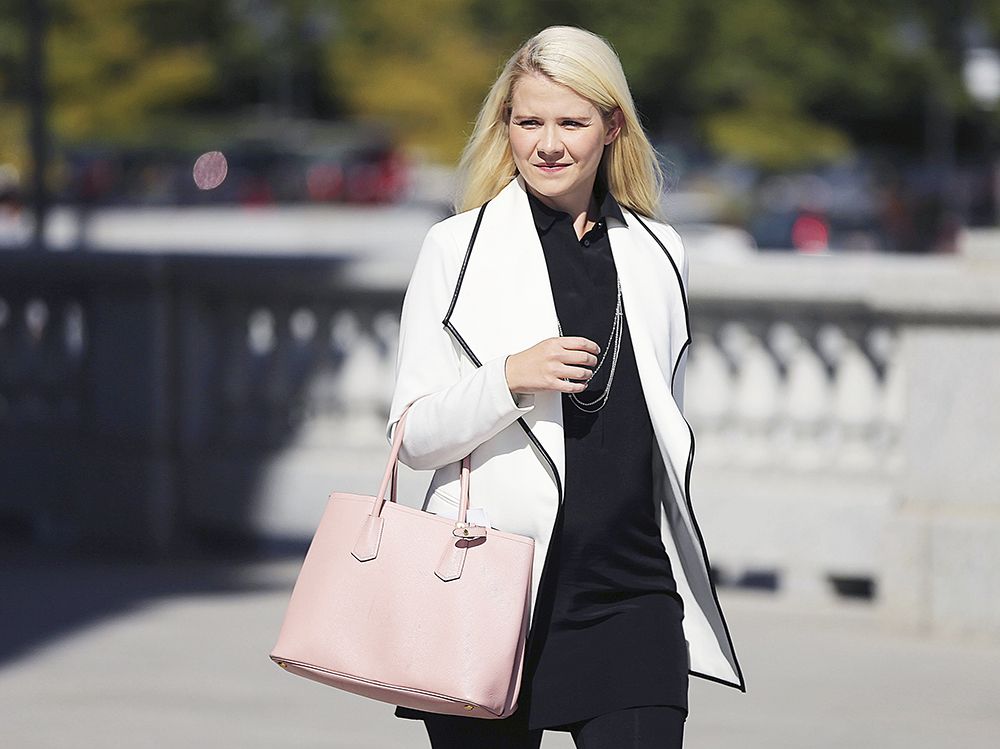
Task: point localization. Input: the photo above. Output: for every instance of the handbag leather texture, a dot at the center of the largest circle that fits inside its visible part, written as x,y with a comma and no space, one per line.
411,608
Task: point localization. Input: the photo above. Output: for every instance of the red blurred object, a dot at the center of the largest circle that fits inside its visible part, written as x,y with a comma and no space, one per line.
810,234
377,175
325,183
255,191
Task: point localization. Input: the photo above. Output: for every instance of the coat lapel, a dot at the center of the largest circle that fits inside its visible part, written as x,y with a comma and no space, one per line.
652,294
503,304
653,297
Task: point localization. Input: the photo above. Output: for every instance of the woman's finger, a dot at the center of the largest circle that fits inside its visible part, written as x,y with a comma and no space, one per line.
578,373
569,386
579,343
580,359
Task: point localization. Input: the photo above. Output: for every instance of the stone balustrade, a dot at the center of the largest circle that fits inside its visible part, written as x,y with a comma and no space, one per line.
143,397
846,408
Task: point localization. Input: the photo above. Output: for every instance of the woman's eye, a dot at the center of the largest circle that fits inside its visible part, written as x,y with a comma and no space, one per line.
572,123
528,123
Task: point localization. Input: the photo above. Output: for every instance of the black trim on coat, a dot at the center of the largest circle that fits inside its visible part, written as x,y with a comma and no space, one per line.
475,359
461,275
690,463
680,283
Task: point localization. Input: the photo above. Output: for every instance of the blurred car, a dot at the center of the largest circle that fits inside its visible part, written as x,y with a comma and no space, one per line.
838,208
358,168
375,173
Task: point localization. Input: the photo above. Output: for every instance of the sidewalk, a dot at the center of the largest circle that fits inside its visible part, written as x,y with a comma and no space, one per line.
105,657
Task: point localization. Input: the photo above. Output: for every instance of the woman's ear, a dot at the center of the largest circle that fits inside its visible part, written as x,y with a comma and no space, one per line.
614,127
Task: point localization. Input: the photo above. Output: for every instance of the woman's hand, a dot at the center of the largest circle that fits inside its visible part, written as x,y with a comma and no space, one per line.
561,364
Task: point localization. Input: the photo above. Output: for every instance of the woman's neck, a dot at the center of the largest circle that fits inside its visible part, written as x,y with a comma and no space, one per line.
583,212
584,220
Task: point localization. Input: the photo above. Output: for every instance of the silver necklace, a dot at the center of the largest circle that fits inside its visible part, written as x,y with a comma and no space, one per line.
614,345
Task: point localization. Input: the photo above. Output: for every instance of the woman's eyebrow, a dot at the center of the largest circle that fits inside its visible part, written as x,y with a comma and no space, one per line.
578,118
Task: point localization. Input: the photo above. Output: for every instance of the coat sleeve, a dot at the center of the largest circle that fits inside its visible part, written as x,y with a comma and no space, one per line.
451,414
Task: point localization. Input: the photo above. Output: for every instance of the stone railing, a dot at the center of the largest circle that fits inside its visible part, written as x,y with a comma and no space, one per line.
847,413
782,389
142,396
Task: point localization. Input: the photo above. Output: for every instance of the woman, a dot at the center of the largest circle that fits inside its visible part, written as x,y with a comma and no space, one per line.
544,332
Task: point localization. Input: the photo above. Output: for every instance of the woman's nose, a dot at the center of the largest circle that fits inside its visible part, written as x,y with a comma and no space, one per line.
550,146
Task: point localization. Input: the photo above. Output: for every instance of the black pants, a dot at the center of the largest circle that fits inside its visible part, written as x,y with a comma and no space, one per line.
655,727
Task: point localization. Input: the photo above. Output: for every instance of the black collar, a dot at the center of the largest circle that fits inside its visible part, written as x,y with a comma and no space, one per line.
545,217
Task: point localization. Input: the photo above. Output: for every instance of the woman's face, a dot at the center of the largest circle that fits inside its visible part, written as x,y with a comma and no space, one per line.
557,138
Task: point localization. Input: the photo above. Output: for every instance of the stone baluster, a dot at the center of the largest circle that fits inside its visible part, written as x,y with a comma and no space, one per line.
756,393
708,394
360,377
806,400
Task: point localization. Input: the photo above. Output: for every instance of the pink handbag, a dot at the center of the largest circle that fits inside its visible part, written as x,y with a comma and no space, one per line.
411,608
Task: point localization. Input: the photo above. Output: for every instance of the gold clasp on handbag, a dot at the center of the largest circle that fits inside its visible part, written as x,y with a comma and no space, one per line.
464,530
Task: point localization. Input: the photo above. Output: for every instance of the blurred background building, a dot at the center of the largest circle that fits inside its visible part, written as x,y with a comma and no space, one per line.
183,370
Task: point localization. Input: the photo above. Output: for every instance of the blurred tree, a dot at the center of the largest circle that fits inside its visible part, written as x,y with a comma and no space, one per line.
765,81
778,83
13,112
112,66
423,65
271,53
777,75
111,73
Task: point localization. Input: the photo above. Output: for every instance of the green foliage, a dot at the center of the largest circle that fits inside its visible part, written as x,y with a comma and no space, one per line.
779,83
110,70
108,78
767,64
421,65
749,75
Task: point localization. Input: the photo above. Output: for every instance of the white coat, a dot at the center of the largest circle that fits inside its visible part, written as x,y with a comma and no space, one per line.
470,305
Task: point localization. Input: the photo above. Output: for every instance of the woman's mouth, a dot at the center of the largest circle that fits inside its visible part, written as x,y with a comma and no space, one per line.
551,168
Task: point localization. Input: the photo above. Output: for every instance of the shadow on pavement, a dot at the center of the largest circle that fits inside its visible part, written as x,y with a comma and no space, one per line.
47,595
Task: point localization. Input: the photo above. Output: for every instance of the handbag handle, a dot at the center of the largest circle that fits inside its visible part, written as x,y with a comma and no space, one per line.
366,547
392,468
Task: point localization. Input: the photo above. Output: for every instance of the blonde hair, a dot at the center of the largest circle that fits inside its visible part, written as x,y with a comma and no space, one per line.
586,64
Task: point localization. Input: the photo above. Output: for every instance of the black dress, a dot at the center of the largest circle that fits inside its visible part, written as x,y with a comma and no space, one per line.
607,631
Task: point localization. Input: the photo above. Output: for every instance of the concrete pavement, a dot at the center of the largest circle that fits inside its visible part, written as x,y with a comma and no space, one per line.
100,656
